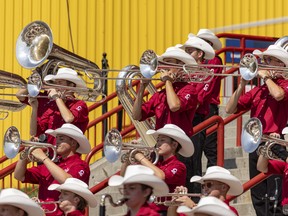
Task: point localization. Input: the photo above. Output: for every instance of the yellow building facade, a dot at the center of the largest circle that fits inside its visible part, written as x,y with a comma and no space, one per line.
124,29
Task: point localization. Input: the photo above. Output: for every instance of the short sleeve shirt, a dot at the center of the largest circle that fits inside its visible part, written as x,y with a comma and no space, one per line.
157,106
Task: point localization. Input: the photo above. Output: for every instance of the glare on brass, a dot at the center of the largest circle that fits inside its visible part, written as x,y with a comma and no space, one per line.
170,198
252,136
113,147
12,143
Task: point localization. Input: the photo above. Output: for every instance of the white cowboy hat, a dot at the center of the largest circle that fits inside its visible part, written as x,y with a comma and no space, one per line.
208,35
78,187
67,74
142,175
75,133
177,53
217,173
208,205
17,198
275,51
198,43
285,130
177,134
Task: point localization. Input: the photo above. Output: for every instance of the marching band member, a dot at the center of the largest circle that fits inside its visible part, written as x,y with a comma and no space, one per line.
212,90
69,142
200,50
53,112
269,103
176,104
139,183
75,197
171,140
207,206
217,182
14,202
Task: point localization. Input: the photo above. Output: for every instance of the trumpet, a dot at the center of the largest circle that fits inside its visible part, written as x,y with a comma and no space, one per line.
113,146
12,143
170,198
252,136
102,209
46,210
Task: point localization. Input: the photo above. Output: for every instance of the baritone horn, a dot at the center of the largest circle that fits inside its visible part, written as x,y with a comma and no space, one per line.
113,147
12,143
252,136
102,209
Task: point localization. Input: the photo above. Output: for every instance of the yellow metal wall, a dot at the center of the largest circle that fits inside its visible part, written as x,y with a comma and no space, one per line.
125,28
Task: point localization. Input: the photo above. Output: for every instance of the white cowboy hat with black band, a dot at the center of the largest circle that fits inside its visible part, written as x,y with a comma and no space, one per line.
14,197
176,133
177,53
142,175
208,205
208,35
66,74
198,43
217,173
75,133
275,51
78,187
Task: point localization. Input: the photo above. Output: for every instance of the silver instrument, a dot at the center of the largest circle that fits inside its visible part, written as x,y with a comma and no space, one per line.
113,147
12,143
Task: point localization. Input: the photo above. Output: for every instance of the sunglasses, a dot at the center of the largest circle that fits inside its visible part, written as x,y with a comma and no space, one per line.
207,185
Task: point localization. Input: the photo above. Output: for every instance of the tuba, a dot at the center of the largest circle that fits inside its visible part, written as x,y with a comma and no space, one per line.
127,94
252,136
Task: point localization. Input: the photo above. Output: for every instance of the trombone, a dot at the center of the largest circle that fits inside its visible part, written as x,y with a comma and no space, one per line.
170,198
12,143
252,136
113,146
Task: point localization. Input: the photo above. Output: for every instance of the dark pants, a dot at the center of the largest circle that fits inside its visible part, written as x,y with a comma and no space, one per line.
263,194
194,163
210,147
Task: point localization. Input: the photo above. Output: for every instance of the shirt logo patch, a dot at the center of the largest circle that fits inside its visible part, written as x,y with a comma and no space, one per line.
206,86
174,171
187,96
79,108
81,172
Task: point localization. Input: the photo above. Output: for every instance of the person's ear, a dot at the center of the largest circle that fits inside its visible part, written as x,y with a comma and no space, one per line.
147,192
76,199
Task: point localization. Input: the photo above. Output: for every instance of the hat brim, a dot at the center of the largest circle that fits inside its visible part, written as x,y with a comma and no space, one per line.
159,187
235,185
84,145
214,40
29,206
78,81
274,51
182,56
86,194
187,146
210,209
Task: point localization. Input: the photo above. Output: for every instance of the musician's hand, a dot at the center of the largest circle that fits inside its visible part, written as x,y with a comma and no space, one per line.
181,190
275,135
52,93
186,201
168,75
144,83
34,139
39,154
263,73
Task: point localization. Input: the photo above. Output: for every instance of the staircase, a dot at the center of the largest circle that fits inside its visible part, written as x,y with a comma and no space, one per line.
236,160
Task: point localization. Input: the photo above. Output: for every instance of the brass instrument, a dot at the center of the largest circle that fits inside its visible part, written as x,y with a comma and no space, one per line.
35,46
252,136
170,198
47,211
113,147
282,42
102,209
12,143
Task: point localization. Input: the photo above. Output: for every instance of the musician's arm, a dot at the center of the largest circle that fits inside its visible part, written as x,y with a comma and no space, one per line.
137,110
262,164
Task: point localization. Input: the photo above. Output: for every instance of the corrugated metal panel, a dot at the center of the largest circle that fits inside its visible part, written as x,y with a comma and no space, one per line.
125,28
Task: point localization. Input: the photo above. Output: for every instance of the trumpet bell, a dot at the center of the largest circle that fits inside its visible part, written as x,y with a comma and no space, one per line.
12,142
249,66
251,135
34,44
112,145
148,63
